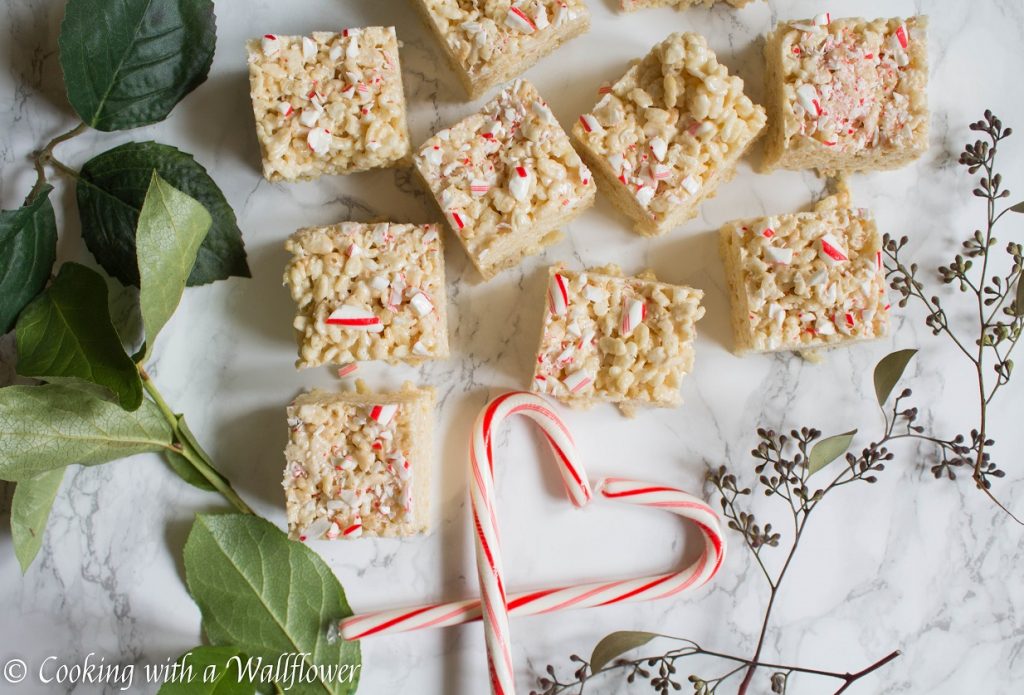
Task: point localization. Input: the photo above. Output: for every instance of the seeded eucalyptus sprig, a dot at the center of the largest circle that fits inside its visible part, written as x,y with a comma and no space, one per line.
791,470
996,298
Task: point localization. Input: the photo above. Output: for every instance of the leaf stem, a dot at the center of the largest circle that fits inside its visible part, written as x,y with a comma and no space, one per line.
195,455
42,157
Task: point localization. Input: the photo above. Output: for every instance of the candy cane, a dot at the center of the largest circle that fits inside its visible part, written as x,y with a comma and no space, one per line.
494,604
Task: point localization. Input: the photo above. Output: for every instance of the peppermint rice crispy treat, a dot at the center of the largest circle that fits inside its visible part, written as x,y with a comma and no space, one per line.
607,337
491,41
368,292
630,5
847,95
506,178
328,103
664,136
807,280
358,464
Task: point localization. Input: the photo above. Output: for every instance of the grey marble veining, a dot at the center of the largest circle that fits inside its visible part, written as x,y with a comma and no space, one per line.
910,563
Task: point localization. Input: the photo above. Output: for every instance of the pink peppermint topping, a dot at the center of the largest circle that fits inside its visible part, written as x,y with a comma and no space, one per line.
849,319
660,172
807,96
558,295
767,232
823,19
348,92
271,45
691,185
285,109
479,187
577,381
400,466
540,20
433,155
590,123
633,312
457,219
353,531
309,48
379,283
540,383
565,357
831,251
355,318
348,369
310,116
659,148
644,195
319,140
430,236
878,259
384,414
519,183
421,303
353,250
492,130
779,256
520,21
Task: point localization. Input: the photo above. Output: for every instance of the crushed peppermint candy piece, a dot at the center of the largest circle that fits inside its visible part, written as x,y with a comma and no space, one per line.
767,232
577,381
519,20
400,465
633,313
354,531
316,530
348,369
420,349
807,97
540,19
831,250
660,172
319,140
492,131
644,195
309,48
434,156
479,187
355,318
421,303
333,532
659,148
353,250
779,256
819,277
691,185
595,294
541,110
384,414
519,183
558,295
335,53
309,117
285,109
823,19
901,36
270,44
565,357
379,283
457,219
590,124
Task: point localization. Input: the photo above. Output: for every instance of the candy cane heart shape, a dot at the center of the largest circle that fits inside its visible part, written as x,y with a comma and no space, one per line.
494,606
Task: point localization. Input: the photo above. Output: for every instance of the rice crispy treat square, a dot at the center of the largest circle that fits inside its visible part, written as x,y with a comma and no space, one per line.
630,5
608,337
359,463
806,280
328,103
506,178
368,292
847,95
668,133
488,43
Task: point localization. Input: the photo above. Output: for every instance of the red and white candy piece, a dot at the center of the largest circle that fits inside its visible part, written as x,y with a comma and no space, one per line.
577,381
778,254
285,109
270,44
633,313
520,21
831,250
659,148
519,183
479,187
355,318
558,295
309,48
348,369
691,185
319,140
807,97
456,216
384,414
590,124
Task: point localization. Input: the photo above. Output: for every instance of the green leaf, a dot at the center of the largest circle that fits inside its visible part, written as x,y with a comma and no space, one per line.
269,596
186,471
827,450
1019,207
28,249
209,671
888,372
127,63
172,226
54,425
111,191
617,644
30,509
67,332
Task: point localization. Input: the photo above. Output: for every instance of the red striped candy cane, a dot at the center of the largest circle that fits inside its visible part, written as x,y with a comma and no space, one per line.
495,606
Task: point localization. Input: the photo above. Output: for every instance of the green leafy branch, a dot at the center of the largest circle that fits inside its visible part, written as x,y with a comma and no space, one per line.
785,469
998,301
153,218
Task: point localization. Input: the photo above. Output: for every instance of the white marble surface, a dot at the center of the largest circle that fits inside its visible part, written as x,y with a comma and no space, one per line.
924,566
